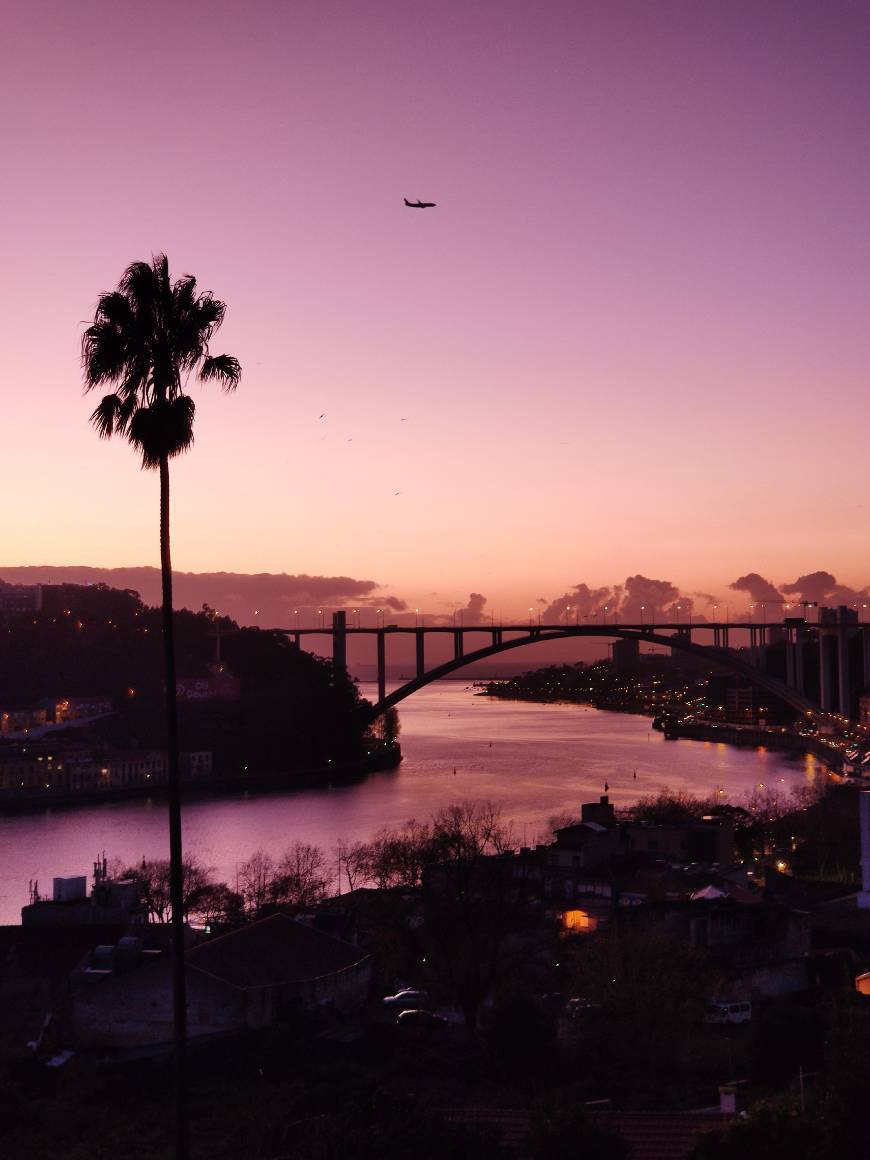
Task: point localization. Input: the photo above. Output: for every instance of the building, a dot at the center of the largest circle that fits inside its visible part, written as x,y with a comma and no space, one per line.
20,599
35,963
597,839
52,771
14,722
113,901
262,973
626,656
65,709
220,686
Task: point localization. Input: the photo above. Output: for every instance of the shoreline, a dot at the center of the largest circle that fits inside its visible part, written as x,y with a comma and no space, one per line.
323,777
741,737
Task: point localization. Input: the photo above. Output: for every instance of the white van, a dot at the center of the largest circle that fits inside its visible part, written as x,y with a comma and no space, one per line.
729,1013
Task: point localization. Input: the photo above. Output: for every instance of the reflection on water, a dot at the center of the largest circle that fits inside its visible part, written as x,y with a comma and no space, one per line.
534,760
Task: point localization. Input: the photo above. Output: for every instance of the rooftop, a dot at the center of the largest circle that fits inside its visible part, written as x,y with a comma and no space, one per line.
274,951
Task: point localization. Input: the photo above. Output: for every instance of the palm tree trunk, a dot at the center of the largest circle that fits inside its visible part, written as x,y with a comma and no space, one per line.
176,869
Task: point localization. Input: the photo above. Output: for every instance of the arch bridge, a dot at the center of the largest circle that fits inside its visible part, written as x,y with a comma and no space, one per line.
833,636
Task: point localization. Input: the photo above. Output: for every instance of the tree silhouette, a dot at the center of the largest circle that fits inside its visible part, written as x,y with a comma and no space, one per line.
147,338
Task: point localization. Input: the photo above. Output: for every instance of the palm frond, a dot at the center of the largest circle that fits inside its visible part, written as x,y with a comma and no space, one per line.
114,308
125,413
106,415
162,429
184,295
145,337
139,285
103,354
223,367
209,312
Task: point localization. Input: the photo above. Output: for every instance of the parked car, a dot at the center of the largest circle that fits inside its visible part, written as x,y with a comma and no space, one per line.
729,1013
409,997
417,1017
577,1007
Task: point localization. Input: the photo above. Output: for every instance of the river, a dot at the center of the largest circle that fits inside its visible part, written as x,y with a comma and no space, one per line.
533,760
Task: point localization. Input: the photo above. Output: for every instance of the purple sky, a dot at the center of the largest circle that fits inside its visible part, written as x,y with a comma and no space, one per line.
634,336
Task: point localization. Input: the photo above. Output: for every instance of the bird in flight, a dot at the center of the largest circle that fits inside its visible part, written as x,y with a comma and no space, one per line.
420,204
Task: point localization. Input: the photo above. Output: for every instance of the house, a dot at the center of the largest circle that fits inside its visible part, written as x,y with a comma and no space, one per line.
112,901
760,949
598,838
250,978
34,966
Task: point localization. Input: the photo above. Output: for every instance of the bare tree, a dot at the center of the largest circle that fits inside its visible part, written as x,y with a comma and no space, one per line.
302,877
397,857
464,831
153,878
219,906
256,879
353,862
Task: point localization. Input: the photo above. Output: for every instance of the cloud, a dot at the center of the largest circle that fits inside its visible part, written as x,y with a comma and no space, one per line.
757,588
639,597
274,596
579,602
822,588
708,599
392,602
659,598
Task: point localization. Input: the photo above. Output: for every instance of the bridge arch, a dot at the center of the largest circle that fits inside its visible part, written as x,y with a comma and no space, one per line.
723,657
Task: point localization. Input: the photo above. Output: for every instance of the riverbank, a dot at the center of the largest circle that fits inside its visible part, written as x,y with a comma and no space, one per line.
756,737
533,761
325,777
744,736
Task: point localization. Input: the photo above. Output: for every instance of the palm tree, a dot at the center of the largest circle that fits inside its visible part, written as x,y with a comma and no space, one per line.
147,338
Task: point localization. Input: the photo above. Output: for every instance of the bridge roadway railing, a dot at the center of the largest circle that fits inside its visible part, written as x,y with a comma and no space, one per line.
672,634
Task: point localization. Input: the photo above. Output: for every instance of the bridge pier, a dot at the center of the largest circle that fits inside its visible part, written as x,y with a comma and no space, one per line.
382,665
826,690
845,689
457,644
421,661
756,645
339,643
865,653
790,674
794,657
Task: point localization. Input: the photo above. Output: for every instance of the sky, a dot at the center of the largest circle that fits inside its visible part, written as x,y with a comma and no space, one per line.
631,339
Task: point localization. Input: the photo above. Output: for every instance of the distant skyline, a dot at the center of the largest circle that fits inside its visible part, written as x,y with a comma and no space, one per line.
630,339
287,601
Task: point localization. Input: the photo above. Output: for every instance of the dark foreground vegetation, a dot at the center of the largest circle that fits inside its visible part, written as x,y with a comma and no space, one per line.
290,712
540,1025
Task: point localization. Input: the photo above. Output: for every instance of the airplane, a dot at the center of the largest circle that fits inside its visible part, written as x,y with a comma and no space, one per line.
420,204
